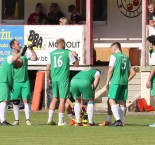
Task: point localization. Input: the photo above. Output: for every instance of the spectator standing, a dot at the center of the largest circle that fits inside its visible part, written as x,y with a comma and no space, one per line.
75,17
151,17
54,15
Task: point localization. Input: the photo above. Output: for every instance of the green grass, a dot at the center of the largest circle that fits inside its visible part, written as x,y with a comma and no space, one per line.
135,132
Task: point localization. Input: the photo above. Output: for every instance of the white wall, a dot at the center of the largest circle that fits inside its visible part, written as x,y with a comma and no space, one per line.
31,4
119,26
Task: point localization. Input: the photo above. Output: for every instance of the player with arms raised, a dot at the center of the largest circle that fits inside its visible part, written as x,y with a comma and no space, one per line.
21,87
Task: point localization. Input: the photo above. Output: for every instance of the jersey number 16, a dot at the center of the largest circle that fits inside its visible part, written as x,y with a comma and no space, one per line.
58,61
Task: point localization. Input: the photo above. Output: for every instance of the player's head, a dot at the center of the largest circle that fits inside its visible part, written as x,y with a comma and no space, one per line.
153,43
149,41
151,7
15,45
115,47
60,43
150,38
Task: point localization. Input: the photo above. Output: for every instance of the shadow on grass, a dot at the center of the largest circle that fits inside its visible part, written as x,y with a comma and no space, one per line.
128,124
45,125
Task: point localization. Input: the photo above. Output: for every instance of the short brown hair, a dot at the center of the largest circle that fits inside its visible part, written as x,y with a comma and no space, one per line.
12,43
117,45
151,3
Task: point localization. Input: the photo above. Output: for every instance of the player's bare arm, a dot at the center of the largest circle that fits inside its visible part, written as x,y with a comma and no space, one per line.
110,71
96,82
132,73
48,73
76,63
34,55
17,56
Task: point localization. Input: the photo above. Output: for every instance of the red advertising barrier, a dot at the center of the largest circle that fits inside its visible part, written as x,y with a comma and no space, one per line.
39,82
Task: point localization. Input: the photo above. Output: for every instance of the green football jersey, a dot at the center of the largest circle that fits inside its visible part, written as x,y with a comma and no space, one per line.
152,57
60,65
88,75
121,69
6,73
21,74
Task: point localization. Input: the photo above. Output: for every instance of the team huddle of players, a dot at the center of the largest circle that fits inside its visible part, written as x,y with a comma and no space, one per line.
81,88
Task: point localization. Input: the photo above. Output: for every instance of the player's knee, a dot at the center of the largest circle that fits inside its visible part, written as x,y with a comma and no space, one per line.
16,102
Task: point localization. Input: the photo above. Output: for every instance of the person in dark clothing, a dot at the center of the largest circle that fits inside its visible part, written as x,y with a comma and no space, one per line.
54,15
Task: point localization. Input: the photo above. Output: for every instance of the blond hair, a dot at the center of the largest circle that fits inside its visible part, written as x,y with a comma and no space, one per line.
63,21
60,40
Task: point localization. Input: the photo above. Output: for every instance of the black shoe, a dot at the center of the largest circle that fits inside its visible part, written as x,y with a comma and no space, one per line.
5,123
117,123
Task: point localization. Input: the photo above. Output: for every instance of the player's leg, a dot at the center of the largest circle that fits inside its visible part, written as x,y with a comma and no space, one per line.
51,111
4,94
61,112
90,112
74,89
63,93
152,95
122,101
109,117
122,110
15,97
69,111
88,94
16,111
113,96
26,100
77,110
53,103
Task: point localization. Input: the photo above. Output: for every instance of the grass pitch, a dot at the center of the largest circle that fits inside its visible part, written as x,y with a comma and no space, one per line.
135,132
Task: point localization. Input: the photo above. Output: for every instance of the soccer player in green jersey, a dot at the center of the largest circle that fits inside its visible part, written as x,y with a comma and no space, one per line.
151,79
84,84
21,87
58,73
6,83
119,73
